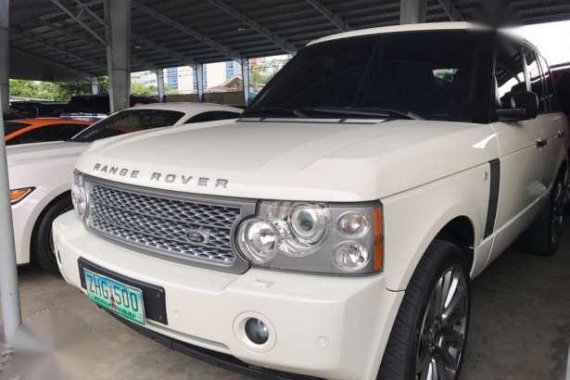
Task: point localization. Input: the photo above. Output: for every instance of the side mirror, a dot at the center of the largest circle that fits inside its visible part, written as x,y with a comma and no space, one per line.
518,105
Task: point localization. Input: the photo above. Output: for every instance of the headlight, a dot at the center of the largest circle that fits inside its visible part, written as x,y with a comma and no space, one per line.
314,237
79,195
258,239
18,195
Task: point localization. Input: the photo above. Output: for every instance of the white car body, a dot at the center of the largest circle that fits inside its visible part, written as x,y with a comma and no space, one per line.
48,168
324,326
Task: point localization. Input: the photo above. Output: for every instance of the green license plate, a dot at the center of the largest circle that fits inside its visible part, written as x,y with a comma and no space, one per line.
115,296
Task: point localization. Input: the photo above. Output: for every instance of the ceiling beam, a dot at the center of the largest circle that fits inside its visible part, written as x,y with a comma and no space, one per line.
39,40
140,40
51,15
72,33
75,18
181,58
450,10
225,50
260,29
333,18
46,62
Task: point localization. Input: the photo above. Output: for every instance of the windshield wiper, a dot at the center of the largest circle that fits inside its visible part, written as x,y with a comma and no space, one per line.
371,112
272,110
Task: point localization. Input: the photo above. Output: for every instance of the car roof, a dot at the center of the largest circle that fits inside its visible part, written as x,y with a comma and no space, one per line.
428,26
187,107
49,120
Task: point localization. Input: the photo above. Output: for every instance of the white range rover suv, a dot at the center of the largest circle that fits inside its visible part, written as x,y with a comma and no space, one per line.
332,231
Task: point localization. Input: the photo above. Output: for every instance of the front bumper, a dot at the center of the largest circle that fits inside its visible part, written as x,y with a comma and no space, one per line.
322,326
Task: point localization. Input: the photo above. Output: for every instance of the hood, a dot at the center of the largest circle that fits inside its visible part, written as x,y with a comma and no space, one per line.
293,160
25,153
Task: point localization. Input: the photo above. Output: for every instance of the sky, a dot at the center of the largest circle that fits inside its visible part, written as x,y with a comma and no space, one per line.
552,39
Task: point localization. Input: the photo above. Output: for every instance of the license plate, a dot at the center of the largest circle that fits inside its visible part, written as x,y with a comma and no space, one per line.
115,296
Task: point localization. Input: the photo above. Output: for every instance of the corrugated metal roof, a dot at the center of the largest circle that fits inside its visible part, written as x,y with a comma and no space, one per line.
179,32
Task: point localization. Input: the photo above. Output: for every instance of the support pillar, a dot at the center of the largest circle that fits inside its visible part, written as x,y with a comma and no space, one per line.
9,295
245,80
160,85
95,86
4,57
118,20
199,78
412,11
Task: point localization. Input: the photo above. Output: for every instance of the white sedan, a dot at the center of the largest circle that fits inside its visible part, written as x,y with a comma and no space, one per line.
41,174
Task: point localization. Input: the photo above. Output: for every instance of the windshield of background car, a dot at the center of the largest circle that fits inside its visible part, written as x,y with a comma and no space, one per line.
13,126
128,121
439,75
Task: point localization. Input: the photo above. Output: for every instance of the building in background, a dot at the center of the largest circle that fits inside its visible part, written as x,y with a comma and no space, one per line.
233,69
171,78
219,76
148,78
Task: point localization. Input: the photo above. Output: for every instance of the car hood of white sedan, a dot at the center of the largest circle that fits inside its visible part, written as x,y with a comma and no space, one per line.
18,154
300,160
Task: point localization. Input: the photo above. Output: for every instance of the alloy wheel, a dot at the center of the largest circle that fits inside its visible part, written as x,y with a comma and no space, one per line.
444,327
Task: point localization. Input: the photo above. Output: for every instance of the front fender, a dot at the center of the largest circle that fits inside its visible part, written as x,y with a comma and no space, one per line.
50,179
414,218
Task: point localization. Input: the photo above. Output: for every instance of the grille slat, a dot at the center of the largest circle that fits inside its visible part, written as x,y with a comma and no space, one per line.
162,224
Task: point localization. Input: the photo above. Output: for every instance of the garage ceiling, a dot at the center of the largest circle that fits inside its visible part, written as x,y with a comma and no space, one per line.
170,33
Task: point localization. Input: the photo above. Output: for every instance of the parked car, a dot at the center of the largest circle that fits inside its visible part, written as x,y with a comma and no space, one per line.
32,109
40,174
25,131
333,230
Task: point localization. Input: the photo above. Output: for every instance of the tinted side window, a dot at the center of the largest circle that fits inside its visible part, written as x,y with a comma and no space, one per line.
57,132
536,79
509,72
64,131
212,116
131,120
33,136
548,83
12,126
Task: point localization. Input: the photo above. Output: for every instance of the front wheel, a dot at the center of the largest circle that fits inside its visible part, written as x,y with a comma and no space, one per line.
429,335
43,251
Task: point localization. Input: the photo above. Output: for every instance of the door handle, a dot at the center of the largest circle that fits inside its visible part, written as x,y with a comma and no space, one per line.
541,143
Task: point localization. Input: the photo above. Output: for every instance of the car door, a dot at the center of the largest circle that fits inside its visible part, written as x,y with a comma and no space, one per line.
552,121
522,158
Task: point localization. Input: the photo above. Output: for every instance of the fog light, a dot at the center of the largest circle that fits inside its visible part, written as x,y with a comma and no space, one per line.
256,331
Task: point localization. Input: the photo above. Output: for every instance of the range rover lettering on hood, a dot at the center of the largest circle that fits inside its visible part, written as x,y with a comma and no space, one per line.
184,179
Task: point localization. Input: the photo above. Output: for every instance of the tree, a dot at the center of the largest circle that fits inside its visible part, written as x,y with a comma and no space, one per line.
47,90
141,89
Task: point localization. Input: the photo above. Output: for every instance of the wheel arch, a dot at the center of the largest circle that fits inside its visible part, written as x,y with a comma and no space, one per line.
42,211
461,232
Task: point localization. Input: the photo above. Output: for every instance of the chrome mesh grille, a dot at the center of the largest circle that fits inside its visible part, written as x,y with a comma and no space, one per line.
162,225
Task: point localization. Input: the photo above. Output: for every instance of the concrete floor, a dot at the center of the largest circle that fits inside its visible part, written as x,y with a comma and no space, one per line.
520,326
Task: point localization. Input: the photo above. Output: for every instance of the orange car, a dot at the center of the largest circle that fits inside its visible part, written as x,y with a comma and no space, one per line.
23,131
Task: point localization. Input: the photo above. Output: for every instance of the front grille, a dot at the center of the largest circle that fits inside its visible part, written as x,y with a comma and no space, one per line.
164,224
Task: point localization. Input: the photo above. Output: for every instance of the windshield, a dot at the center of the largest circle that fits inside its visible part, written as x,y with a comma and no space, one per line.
432,75
128,121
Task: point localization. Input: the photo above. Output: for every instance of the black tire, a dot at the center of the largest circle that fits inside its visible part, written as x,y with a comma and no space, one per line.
400,361
42,244
543,236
